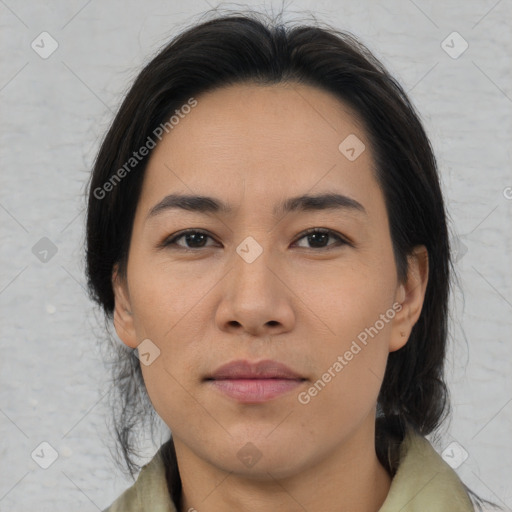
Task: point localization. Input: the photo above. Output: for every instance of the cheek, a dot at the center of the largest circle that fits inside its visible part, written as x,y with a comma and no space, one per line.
164,296
350,370
347,298
353,315
166,309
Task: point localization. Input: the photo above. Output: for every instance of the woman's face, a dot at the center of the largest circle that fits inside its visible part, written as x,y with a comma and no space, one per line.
252,285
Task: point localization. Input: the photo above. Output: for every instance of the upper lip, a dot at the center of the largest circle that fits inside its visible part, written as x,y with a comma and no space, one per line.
243,369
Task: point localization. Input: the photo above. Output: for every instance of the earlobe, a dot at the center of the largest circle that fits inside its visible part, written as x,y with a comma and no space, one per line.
123,316
410,295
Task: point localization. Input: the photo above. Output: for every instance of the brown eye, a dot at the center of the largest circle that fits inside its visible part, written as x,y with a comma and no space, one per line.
194,239
319,238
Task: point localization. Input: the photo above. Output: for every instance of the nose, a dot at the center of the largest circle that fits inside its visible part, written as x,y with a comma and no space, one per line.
256,299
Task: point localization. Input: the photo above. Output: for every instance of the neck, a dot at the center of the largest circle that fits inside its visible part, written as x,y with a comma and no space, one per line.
351,479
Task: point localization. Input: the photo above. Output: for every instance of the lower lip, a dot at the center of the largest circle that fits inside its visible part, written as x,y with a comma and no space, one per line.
255,390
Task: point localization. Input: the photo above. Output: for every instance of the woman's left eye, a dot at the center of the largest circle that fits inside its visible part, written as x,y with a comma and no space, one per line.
318,236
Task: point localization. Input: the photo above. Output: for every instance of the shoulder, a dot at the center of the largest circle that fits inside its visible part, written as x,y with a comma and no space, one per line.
424,481
148,493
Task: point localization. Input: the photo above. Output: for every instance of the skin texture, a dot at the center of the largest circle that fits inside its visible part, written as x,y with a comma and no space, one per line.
298,303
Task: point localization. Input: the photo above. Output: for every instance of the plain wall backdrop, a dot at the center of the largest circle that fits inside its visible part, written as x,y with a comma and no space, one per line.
65,67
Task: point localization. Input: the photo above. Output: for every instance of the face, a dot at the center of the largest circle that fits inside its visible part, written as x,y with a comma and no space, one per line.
312,286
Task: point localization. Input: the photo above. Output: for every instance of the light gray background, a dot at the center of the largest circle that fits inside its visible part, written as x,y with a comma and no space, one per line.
54,112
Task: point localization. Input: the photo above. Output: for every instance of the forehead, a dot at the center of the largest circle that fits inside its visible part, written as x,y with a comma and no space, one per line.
264,141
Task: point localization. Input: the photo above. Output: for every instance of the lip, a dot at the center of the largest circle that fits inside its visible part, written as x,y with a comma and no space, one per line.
243,369
254,382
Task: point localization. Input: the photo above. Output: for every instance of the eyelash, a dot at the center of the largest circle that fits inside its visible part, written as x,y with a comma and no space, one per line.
341,240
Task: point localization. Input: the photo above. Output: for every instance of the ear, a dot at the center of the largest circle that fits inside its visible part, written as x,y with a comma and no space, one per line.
410,295
123,317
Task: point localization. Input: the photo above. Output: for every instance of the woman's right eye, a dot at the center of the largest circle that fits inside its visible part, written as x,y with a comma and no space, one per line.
192,237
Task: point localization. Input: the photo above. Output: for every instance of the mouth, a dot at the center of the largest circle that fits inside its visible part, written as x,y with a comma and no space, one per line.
259,382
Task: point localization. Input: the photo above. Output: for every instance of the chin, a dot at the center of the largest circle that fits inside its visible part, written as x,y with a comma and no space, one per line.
262,460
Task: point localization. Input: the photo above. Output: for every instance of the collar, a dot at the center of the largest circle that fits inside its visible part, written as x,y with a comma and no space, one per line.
423,482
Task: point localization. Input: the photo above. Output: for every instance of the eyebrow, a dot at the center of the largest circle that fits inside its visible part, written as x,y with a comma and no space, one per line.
207,205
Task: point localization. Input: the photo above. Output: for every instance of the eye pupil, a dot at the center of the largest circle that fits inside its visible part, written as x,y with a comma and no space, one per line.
312,235
190,237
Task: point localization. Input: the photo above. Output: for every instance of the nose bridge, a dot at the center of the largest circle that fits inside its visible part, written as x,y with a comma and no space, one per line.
257,254
252,265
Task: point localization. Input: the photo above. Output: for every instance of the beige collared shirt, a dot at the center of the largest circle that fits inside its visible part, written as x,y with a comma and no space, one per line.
424,482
